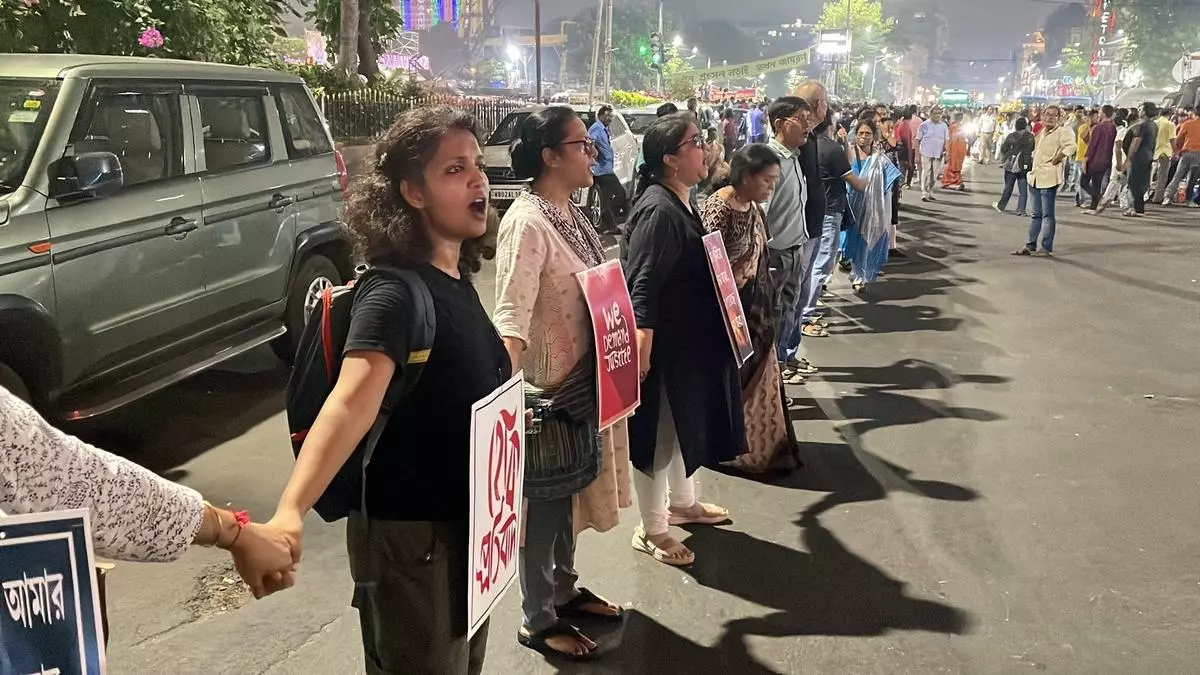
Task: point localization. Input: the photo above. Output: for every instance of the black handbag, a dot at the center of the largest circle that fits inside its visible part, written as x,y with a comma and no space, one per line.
563,450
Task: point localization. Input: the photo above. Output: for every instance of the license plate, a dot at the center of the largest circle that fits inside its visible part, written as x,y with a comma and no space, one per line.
504,194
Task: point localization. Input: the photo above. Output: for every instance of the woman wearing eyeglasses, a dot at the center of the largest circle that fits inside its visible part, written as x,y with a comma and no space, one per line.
545,240
691,413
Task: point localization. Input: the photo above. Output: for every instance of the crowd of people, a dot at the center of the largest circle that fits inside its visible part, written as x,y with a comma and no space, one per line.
813,189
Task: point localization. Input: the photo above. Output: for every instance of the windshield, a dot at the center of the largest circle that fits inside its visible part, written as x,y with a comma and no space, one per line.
639,122
24,107
503,135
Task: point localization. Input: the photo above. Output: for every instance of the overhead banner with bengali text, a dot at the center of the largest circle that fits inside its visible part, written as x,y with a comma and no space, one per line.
752,69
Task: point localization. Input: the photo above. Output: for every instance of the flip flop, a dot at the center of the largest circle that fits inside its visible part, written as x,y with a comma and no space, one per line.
575,608
720,515
641,542
537,641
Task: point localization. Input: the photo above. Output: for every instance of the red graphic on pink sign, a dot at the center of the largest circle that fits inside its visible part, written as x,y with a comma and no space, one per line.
497,477
615,332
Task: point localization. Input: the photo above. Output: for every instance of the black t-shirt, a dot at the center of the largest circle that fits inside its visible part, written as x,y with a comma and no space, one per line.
420,468
1148,130
814,209
834,165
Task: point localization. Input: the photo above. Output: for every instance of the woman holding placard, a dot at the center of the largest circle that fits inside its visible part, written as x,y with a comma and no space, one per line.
734,211
691,412
544,241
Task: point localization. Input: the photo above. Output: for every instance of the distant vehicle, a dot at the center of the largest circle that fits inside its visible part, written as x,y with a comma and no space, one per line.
157,217
1030,101
1132,98
505,187
1071,102
957,98
639,119
1187,97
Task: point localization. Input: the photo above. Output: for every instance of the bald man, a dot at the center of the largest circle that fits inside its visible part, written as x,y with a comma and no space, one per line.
814,93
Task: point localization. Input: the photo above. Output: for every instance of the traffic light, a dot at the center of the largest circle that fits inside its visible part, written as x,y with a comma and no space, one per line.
657,54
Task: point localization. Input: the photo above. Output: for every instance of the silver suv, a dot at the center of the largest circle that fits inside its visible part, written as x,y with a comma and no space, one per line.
156,217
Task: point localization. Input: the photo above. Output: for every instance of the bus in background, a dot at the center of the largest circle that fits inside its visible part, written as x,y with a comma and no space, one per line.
1038,102
957,98
1072,102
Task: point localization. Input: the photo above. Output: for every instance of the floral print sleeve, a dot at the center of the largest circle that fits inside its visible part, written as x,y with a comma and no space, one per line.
135,514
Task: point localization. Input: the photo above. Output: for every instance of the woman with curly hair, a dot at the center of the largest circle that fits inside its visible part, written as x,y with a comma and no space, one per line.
420,207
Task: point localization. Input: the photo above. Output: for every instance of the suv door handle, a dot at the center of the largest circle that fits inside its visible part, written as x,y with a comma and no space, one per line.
180,225
279,201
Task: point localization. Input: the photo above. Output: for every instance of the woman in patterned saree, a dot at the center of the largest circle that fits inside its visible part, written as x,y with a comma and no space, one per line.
734,211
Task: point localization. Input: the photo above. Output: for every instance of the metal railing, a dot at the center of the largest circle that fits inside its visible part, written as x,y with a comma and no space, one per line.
363,115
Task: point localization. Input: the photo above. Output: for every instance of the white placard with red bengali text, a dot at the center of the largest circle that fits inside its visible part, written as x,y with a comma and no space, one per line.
497,479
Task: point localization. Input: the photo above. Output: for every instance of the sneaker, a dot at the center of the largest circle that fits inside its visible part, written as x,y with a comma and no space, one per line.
1089,212
791,376
996,207
1021,214
1166,202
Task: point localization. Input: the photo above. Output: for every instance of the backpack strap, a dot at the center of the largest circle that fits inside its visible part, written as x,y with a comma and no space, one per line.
420,344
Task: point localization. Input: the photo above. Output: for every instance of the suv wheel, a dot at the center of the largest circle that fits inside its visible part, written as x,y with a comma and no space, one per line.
593,210
316,274
10,380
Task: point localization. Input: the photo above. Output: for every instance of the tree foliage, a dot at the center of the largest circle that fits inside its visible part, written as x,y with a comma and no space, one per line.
226,31
1159,33
378,25
869,31
633,23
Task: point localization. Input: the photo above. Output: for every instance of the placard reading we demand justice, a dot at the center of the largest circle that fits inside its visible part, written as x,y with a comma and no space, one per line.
497,483
50,624
614,330
731,302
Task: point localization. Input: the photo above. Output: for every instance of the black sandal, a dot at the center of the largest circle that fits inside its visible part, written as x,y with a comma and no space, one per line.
537,641
574,609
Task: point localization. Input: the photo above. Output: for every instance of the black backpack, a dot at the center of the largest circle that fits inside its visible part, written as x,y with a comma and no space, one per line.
318,363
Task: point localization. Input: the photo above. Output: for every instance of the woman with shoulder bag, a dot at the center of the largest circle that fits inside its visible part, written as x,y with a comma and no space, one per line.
1016,155
574,477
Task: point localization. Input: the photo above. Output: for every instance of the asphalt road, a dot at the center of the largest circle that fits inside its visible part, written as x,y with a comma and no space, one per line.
1000,477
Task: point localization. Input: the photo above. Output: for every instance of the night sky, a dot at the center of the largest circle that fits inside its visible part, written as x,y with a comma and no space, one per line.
978,28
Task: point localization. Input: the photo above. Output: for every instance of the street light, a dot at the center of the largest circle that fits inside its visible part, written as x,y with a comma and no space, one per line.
514,53
678,41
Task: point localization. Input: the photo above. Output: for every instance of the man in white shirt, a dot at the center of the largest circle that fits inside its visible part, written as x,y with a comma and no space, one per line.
987,131
932,137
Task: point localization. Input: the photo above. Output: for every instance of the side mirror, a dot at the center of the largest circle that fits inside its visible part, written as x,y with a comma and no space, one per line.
88,175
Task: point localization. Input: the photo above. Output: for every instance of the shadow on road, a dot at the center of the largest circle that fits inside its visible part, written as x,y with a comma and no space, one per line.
170,428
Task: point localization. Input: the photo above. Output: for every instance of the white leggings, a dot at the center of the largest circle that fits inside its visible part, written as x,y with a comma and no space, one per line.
669,473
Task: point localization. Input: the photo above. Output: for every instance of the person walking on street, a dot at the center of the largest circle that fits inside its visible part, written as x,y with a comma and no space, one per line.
540,313
956,155
791,246
914,123
1142,140
1098,161
1164,151
932,138
690,416
1188,142
729,130
987,130
1054,144
1083,132
1016,155
613,204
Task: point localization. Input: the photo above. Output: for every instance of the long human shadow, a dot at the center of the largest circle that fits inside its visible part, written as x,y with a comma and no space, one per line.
906,374
828,590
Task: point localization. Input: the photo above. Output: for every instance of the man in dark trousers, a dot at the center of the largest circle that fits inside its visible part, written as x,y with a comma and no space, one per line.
1142,138
613,200
1098,161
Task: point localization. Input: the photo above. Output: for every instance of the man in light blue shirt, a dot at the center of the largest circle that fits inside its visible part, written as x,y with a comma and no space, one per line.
612,195
932,137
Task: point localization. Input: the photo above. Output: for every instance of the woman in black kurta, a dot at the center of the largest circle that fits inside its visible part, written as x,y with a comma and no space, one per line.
691,412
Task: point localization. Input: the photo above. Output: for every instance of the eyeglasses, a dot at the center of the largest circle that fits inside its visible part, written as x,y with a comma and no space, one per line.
697,140
587,145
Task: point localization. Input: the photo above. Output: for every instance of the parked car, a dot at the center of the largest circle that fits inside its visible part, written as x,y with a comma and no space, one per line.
505,187
157,217
639,119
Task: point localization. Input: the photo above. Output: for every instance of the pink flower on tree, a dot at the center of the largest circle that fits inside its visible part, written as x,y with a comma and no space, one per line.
151,38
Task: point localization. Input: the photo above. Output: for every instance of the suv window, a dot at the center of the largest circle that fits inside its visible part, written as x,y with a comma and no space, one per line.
235,130
142,129
302,126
